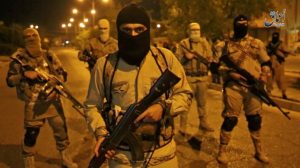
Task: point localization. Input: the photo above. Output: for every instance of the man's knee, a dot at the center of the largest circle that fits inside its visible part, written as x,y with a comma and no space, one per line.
31,136
254,122
229,123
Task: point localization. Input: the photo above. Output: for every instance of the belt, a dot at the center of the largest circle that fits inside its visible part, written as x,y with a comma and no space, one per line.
196,74
125,147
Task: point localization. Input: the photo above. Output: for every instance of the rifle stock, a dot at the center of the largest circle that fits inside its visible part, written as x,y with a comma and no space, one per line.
166,81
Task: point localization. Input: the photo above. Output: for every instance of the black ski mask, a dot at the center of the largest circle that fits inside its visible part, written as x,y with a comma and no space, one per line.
133,49
240,26
275,37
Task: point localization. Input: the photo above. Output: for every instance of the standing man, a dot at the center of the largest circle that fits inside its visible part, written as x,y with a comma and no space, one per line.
39,105
188,52
100,46
278,52
124,78
249,54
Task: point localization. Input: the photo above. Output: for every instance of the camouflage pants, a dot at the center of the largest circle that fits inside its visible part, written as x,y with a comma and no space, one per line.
57,123
200,95
162,157
277,76
238,98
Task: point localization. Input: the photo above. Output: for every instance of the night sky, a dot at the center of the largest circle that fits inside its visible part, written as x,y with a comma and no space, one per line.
48,14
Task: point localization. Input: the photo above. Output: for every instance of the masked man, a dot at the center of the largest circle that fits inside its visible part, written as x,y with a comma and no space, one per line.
100,46
125,78
188,52
39,105
249,54
278,52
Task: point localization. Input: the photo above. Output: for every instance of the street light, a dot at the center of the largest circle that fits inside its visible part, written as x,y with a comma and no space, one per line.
71,20
63,26
158,25
81,25
85,20
75,11
93,12
105,1
69,24
34,26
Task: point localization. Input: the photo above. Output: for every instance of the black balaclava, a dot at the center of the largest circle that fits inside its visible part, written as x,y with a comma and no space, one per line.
240,30
133,49
275,37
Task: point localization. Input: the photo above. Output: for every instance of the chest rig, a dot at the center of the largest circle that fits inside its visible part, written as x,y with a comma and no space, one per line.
35,89
147,136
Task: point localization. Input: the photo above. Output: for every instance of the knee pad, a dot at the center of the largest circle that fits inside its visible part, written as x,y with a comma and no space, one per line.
254,122
229,123
31,136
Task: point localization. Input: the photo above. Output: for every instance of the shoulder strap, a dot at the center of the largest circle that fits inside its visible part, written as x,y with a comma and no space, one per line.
156,57
191,45
114,64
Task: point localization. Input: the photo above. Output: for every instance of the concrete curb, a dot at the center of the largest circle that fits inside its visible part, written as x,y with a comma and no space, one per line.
286,104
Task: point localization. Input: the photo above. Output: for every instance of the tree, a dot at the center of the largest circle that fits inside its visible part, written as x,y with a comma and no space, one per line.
214,16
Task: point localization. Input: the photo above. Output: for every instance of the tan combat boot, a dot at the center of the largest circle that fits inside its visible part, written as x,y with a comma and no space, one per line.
29,162
66,160
224,140
204,125
259,153
222,156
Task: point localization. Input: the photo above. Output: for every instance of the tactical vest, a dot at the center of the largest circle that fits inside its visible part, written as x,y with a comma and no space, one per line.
149,135
32,90
194,67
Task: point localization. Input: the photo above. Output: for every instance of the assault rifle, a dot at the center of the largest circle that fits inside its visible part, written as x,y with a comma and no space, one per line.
198,56
256,86
91,60
123,129
57,85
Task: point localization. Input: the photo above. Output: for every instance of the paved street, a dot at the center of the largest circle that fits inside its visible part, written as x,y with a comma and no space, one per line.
281,137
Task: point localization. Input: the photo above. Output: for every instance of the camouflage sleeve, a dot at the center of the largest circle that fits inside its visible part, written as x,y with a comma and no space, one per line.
180,53
181,97
264,59
95,98
262,52
15,73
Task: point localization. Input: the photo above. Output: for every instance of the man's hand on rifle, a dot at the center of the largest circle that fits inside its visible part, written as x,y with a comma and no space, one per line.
263,78
109,154
266,73
189,55
237,76
31,74
152,114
